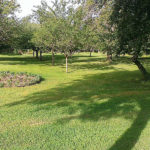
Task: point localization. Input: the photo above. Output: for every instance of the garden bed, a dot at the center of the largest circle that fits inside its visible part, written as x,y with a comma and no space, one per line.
20,79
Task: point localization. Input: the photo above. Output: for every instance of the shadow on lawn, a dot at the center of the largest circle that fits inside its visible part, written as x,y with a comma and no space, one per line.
59,59
74,63
25,60
46,60
122,91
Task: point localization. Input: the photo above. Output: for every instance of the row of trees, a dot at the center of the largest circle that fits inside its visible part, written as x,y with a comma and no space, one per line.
69,28
112,26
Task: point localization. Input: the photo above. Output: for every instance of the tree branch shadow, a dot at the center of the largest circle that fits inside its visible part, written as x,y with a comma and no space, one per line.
100,96
128,140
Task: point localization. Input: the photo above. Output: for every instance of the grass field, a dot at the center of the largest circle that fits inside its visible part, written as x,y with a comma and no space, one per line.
96,106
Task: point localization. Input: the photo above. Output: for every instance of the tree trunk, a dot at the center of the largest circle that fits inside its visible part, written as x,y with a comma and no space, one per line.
90,53
53,57
37,54
40,55
109,56
66,64
141,67
33,53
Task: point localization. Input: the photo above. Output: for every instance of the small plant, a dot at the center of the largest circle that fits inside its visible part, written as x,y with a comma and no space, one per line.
20,79
1,84
9,82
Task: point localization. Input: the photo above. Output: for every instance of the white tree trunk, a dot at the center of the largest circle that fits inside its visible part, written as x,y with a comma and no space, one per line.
66,64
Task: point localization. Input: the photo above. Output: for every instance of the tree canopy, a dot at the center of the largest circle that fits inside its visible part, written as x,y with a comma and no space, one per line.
114,27
132,21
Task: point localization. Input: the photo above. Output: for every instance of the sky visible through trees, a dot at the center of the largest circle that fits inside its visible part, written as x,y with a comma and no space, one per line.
112,27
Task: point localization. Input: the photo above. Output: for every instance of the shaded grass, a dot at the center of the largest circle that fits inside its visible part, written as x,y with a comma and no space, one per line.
96,106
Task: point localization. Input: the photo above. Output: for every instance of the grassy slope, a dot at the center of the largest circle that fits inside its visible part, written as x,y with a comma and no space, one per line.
96,106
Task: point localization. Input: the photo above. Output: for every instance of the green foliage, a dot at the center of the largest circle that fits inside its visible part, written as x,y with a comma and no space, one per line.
38,37
59,27
114,27
132,20
1,85
25,35
8,23
106,32
14,33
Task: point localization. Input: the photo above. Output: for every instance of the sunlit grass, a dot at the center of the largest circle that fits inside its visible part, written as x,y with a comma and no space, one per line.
96,106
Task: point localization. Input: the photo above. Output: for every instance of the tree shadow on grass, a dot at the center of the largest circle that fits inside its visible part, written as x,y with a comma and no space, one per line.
100,96
94,66
131,135
59,60
75,63
25,60
95,63
46,59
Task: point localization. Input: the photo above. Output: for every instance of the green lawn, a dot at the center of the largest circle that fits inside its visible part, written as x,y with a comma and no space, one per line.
96,106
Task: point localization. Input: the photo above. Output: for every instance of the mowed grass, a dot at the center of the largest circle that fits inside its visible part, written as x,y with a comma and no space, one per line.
96,106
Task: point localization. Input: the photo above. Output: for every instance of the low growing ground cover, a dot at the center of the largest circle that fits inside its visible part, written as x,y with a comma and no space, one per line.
96,106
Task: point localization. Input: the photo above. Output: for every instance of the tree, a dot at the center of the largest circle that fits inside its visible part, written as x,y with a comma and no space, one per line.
8,23
69,42
38,39
49,28
106,32
90,38
69,37
59,28
132,21
26,33
53,29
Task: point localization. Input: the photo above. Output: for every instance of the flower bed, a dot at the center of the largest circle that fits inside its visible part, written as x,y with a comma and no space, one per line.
20,79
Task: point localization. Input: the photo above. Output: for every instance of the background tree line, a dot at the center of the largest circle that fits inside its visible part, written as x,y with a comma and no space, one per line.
114,27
